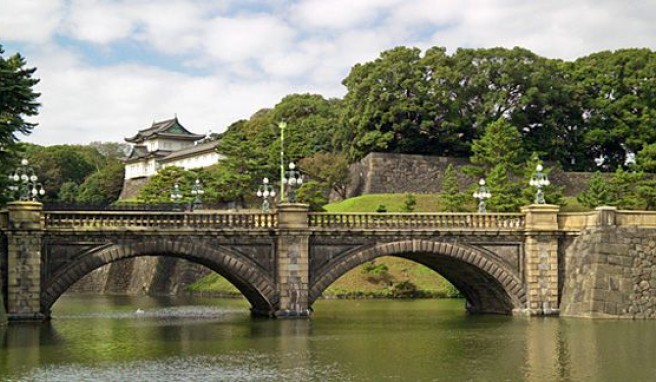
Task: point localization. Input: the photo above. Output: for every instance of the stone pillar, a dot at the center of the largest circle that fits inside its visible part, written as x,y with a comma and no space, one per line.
24,237
292,260
541,259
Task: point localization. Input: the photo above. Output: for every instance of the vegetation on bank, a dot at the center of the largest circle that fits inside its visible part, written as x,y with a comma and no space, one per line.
386,277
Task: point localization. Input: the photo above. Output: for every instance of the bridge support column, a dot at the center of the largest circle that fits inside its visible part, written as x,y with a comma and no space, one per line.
292,260
24,261
541,259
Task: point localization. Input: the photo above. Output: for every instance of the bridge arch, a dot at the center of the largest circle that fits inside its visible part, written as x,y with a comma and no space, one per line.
254,282
489,285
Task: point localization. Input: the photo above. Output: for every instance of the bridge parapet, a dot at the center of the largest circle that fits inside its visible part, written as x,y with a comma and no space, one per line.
87,220
474,221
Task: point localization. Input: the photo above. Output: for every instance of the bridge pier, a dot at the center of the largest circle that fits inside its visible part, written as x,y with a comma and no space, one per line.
24,239
541,259
292,261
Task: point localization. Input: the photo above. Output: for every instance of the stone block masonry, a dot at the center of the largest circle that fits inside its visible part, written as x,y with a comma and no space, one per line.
388,173
611,272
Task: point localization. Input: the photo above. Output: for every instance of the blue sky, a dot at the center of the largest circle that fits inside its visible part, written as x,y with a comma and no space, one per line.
109,68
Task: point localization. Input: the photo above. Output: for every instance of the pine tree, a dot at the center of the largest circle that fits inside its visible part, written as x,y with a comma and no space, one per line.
451,198
597,193
506,194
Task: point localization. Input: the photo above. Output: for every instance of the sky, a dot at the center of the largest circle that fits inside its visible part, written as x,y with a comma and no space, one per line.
110,68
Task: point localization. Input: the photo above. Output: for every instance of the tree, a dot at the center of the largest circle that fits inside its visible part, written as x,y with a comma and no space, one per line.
385,105
58,164
313,193
506,194
500,144
451,198
159,186
619,102
18,102
103,186
597,193
330,169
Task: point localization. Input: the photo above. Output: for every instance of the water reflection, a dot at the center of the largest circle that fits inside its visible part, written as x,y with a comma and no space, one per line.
106,339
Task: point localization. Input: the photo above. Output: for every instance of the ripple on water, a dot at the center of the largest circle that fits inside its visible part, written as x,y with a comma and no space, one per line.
245,366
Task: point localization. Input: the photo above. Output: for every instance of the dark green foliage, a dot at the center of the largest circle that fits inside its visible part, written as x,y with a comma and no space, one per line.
506,193
329,169
313,194
451,198
18,102
409,203
59,164
159,187
381,208
597,193
103,186
404,289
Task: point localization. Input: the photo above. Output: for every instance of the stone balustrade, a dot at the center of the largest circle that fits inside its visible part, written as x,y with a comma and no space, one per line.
81,220
417,220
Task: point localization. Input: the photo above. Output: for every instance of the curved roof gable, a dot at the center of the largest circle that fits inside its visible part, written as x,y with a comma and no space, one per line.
171,128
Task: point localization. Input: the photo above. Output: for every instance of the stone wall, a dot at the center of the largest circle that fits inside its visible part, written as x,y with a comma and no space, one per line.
141,275
131,187
381,173
611,272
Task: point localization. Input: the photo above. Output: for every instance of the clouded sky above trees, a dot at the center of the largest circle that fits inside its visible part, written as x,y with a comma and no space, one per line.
108,68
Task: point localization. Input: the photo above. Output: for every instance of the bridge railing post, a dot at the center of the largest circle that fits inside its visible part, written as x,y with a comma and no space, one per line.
292,260
541,259
24,237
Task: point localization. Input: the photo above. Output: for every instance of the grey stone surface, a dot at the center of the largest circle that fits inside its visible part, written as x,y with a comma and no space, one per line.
405,173
609,272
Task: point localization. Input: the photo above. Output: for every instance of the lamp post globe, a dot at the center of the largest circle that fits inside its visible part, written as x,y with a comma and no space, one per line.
25,183
539,180
293,178
482,194
266,191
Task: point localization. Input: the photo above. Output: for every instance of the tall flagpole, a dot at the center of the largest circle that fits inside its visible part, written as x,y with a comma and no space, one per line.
282,125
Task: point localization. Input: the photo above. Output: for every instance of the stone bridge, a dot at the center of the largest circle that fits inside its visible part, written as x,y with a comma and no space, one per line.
537,262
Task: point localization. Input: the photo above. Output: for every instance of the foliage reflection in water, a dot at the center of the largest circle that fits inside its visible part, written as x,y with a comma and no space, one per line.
118,339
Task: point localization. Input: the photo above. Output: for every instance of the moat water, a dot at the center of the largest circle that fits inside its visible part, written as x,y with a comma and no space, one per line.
95,338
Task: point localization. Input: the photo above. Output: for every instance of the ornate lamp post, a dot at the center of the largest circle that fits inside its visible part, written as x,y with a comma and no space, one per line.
197,191
26,182
293,178
176,195
481,194
265,192
539,180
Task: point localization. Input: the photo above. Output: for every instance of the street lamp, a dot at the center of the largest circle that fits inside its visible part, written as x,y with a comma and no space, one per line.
293,178
265,192
539,180
176,195
26,182
197,191
481,194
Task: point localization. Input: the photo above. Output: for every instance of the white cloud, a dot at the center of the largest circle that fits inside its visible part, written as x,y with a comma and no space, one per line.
82,103
339,14
33,21
99,22
242,55
235,39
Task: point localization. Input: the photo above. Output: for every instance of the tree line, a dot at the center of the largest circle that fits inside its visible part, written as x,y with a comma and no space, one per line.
502,108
